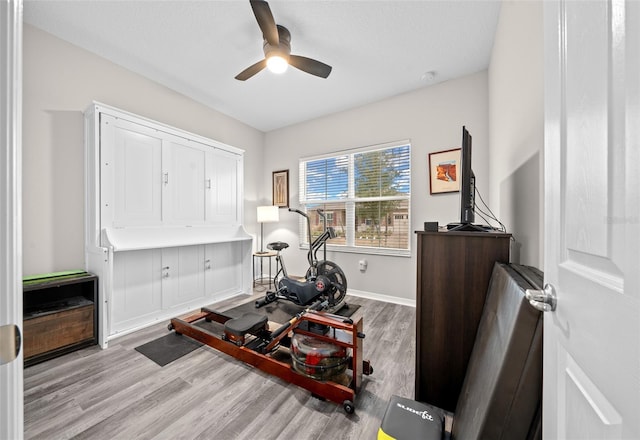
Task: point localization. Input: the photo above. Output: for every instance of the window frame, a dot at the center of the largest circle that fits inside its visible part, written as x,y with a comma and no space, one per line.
351,200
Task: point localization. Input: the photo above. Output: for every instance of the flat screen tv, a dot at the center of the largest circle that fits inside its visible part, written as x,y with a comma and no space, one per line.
467,189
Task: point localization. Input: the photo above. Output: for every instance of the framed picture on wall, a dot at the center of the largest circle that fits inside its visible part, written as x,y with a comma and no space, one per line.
280,182
444,170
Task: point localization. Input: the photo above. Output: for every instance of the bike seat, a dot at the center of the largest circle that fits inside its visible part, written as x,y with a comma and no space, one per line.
277,245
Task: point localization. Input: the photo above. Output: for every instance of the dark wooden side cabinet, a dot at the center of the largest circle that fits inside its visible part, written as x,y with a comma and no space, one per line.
454,269
60,314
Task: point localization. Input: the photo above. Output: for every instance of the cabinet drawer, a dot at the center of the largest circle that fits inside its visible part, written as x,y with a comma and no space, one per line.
56,330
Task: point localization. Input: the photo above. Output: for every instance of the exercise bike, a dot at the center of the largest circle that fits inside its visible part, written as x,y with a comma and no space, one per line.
324,279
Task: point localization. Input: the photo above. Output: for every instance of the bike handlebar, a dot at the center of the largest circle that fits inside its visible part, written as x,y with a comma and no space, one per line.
314,245
304,214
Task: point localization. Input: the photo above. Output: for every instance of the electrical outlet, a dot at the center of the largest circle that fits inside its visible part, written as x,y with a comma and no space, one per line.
362,265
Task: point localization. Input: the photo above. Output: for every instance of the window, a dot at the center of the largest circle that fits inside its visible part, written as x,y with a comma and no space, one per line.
363,194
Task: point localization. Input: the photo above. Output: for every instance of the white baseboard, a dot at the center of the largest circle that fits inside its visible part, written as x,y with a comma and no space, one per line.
380,297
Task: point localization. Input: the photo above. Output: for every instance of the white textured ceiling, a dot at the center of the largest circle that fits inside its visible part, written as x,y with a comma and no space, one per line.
377,49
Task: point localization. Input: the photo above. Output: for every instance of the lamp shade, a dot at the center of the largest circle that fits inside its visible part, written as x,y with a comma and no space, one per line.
268,214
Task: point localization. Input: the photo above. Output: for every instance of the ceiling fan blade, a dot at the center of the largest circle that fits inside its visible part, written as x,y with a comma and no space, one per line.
310,66
267,24
251,70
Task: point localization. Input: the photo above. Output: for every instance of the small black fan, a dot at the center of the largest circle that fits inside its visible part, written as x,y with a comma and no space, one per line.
277,46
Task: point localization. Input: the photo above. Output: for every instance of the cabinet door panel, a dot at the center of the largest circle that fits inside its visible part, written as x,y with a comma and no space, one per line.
222,188
136,288
223,269
132,193
182,275
184,183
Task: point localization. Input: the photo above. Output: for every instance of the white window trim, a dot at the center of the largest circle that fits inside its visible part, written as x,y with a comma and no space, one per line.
350,247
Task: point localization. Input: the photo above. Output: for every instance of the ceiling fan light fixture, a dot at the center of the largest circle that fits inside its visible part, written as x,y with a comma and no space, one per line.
277,64
277,48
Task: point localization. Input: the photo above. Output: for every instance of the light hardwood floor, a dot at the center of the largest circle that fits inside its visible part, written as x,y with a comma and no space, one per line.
118,393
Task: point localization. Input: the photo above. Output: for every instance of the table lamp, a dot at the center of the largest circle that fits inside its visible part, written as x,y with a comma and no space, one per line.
266,214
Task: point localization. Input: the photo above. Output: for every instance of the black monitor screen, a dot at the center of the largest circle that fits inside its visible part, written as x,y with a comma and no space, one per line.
467,184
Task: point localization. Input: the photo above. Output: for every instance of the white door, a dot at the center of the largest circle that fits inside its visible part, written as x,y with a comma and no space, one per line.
222,187
183,272
592,220
131,167
137,289
11,374
223,275
183,166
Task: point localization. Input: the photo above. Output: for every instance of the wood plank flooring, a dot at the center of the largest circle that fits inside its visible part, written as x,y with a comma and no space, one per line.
118,393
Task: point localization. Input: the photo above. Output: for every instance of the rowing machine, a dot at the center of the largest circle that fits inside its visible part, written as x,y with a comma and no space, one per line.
249,339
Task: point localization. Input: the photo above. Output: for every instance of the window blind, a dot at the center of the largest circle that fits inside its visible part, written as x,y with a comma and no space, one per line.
363,194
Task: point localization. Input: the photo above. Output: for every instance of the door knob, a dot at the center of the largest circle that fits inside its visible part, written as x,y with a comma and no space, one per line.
543,300
9,343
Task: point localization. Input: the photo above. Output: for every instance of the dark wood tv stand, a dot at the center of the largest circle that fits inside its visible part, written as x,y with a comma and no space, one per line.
454,269
60,314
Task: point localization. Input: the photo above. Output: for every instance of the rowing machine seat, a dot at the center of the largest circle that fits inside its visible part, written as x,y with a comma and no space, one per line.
235,329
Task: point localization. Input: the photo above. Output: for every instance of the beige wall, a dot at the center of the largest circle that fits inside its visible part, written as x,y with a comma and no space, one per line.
516,127
432,119
60,81
502,109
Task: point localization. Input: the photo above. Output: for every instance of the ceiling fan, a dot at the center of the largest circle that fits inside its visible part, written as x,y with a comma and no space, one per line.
277,48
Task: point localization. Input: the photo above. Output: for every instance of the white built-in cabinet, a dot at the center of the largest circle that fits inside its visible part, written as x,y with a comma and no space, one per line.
162,179
163,220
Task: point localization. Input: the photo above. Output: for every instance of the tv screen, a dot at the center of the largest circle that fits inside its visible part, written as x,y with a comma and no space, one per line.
467,184
467,189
